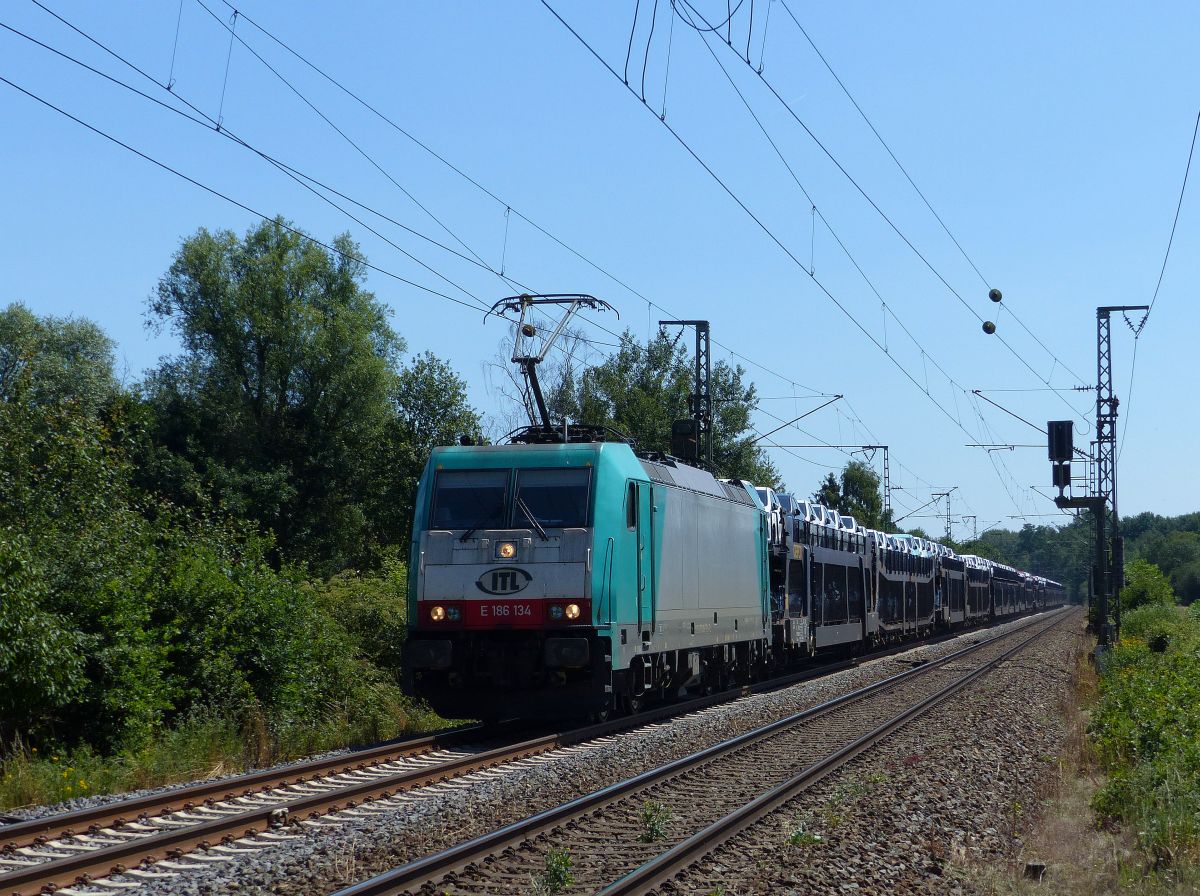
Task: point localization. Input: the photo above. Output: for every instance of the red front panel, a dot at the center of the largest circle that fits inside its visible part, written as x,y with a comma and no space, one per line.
504,613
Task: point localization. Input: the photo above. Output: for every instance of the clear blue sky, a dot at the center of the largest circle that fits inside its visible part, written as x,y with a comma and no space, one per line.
1051,138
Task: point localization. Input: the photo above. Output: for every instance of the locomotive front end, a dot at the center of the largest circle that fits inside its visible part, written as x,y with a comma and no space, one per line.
500,601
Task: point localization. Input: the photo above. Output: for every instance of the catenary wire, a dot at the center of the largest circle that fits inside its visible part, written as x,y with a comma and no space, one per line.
887,219
205,121
736,199
883,142
209,124
215,192
1174,223
482,264
312,106
492,195
760,224
913,183
837,238
369,158
1137,331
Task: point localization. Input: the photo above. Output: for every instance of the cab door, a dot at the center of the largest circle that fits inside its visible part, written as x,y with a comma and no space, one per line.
645,558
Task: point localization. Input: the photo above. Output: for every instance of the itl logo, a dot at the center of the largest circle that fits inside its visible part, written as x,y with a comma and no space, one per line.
506,580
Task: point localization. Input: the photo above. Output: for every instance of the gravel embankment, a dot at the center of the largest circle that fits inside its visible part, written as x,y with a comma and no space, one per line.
956,788
329,857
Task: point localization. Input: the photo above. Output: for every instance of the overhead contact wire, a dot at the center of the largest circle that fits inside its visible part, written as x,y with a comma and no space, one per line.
920,255
489,193
770,234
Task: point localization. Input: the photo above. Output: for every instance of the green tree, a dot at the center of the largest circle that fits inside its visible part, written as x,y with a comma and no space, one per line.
431,408
862,498
52,359
640,389
283,396
1145,585
42,656
75,572
1172,550
1186,582
829,492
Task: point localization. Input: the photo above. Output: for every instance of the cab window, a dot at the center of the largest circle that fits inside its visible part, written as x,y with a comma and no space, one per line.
556,499
469,499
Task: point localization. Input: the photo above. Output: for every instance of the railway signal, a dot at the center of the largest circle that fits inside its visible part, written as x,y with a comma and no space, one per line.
1109,575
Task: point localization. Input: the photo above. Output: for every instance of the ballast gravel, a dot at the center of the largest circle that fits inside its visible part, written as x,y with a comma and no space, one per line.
323,859
955,789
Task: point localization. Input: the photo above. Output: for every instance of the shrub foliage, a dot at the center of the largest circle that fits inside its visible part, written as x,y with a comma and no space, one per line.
1146,727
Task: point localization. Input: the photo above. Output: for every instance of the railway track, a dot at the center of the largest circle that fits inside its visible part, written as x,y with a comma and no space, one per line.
147,837
75,847
616,845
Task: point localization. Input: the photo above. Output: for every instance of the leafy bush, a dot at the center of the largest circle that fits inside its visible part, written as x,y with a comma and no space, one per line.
1146,731
1152,622
1145,586
138,639
374,608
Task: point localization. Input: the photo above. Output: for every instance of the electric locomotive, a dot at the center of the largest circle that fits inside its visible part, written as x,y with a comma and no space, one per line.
574,578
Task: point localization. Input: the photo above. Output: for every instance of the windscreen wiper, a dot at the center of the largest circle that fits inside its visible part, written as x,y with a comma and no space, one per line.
524,508
478,526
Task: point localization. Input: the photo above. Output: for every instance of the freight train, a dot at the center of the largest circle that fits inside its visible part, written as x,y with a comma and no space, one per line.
581,578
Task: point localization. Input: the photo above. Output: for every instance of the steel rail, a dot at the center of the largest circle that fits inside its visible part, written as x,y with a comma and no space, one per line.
120,811
667,865
437,866
146,848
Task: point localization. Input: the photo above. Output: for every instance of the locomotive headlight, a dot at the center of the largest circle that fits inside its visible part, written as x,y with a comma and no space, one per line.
437,613
453,614
556,612
572,611
506,550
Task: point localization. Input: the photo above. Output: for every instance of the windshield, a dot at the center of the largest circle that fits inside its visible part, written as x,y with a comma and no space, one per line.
469,499
554,498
